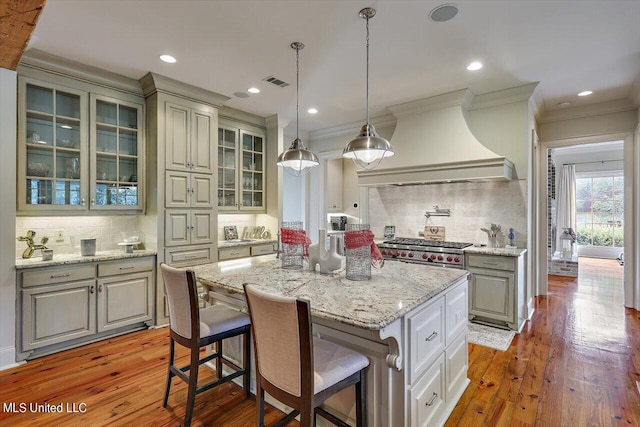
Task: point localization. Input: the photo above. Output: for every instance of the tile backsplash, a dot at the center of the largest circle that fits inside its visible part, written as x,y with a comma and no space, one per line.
473,205
106,229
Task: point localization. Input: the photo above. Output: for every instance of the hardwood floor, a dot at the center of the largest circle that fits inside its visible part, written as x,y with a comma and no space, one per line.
575,364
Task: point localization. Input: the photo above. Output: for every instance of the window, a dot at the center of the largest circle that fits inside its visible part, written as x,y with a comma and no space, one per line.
600,211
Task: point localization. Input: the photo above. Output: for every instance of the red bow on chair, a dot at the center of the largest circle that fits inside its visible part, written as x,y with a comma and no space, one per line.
360,238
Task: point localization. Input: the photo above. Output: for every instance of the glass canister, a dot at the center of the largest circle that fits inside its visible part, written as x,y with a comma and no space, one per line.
358,251
294,244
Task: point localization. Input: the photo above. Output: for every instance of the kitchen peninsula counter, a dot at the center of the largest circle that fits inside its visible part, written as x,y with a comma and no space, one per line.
75,258
410,320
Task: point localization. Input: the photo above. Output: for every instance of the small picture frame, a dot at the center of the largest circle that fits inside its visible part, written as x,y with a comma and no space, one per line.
230,232
389,231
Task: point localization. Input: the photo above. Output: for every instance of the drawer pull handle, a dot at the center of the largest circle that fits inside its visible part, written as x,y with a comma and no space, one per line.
433,399
60,276
489,263
127,268
91,289
190,256
431,337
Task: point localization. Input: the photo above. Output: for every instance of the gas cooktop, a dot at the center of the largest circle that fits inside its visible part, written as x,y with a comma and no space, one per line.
409,241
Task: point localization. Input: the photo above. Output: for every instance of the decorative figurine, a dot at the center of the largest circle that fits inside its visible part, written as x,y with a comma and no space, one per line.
31,246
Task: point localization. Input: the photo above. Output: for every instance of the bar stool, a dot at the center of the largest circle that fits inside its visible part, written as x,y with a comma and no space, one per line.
194,328
296,368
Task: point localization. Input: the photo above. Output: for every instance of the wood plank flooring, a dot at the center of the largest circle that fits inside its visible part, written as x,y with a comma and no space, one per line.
575,364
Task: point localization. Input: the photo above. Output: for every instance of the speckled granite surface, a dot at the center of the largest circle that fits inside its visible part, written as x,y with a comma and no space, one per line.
234,243
495,251
62,259
392,291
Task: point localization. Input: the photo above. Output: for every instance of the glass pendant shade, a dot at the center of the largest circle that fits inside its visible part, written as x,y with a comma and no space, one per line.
367,149
297,160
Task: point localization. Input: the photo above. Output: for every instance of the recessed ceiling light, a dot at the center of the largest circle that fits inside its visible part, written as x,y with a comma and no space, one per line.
253,90
168,59
474,66
312,111
563,104
585,93
443,13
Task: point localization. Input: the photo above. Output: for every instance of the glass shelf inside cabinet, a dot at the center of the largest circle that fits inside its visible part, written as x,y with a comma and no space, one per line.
116,154
53,140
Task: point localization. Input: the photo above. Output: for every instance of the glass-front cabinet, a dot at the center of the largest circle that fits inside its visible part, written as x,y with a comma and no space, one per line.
241,166
117,145
52,147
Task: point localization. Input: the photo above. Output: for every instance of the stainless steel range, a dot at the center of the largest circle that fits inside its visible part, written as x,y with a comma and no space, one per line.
421,251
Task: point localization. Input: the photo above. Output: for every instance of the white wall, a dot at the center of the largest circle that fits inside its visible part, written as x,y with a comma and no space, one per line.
8,114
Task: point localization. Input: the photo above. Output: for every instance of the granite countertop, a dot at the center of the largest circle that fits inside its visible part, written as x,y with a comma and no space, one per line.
63,259
495,251
391,293
243,242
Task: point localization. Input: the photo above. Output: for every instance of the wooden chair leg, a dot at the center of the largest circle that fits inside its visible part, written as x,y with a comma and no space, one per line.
246,347
361,400
193,384
307,417
260,402
169,373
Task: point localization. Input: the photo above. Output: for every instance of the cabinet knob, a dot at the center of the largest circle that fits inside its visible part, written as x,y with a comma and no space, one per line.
100,287
91,289
82,201
93,202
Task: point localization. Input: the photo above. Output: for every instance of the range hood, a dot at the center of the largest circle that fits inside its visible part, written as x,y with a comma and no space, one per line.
433,143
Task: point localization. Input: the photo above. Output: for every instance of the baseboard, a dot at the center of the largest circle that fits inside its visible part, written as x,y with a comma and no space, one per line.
8,358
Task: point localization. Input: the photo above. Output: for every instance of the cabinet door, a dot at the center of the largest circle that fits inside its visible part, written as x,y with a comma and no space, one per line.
201,191
334,185
116,172
177,189
177,227
52,147
201,226
227,168
124,300
492,294
177,152
202,144
252,171
57,313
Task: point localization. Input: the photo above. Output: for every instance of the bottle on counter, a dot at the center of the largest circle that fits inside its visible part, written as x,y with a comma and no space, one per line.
511,238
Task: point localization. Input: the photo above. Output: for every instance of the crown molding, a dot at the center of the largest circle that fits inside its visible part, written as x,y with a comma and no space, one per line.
351,128
504,96
38,60
152,83
634,95
276,120
590,110
462,98
233,114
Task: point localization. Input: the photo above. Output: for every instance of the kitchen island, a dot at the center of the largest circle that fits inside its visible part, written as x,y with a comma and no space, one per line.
409,320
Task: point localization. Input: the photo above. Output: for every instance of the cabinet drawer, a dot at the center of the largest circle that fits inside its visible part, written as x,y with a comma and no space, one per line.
262,249
188,256
231,253
492,262
50,276
426,337
125,266
427,396
457,301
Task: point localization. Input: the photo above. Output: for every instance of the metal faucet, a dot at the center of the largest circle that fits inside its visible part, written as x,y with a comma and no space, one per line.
31,246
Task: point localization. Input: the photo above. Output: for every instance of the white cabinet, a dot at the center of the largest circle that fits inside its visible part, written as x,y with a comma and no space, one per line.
188,190
496,289
188,139
79,149
241,169
188,227
333,186
66,306
427,397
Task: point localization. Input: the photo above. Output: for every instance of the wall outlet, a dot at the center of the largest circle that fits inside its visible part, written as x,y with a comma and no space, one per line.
59,235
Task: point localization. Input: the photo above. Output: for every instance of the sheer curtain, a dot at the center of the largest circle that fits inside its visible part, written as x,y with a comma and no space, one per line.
566,196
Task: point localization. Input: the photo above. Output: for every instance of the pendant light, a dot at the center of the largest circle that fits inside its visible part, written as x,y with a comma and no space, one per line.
297,160
367,149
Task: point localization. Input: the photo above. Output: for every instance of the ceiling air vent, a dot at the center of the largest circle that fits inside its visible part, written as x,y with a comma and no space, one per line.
276,81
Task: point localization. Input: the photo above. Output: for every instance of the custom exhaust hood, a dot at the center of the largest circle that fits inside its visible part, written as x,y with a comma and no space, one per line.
433,144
